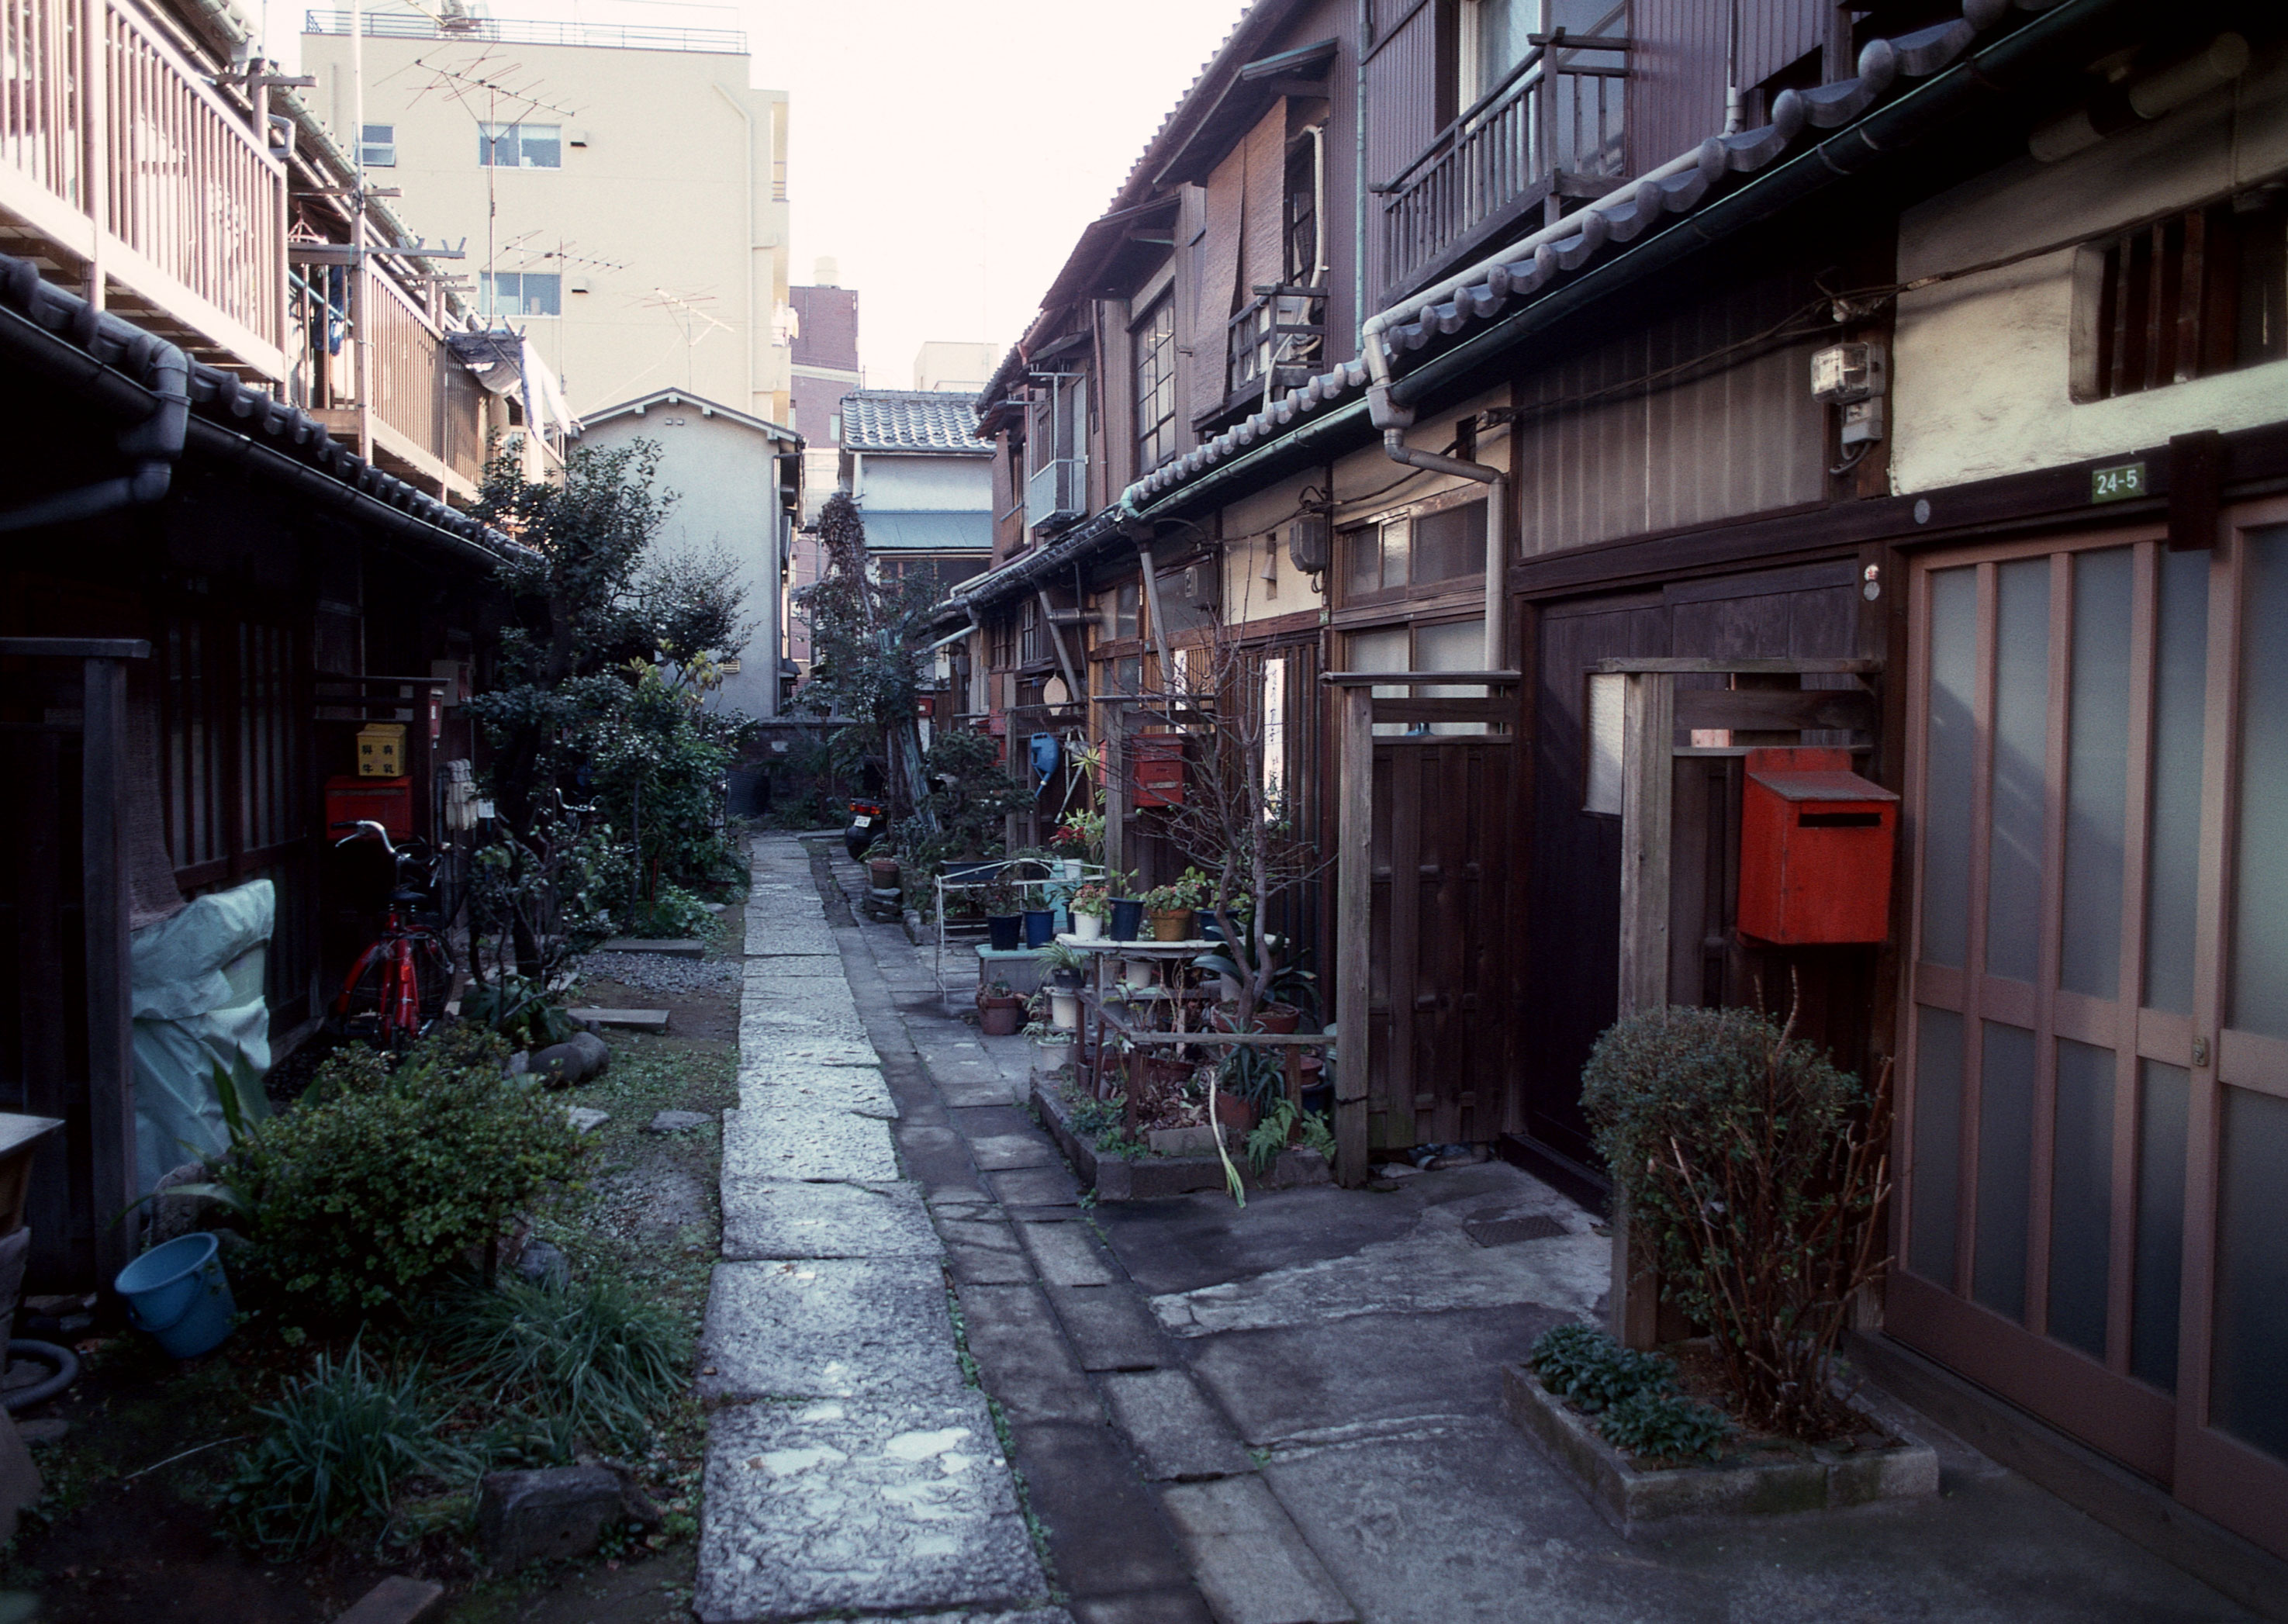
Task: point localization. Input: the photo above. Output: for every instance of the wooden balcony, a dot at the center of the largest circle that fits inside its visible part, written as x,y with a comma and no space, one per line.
1551,129
371,365
123,168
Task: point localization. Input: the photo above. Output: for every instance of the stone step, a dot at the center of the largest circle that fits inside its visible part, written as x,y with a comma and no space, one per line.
639,1020
671,947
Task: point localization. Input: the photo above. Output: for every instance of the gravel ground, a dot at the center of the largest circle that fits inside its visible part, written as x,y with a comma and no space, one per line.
659,972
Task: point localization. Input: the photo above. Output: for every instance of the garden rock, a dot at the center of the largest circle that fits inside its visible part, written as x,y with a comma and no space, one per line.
519,1063
677,1122
554,1512
542,1263
560,1065
594,1053
586,1119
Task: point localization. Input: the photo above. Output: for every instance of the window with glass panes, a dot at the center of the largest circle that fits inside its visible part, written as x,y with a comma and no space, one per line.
1412,551
520,146
1155,338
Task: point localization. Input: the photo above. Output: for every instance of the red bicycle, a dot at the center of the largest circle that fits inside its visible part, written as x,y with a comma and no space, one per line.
397,989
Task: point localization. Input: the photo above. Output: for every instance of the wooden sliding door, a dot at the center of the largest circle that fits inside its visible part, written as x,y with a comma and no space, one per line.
2094,1132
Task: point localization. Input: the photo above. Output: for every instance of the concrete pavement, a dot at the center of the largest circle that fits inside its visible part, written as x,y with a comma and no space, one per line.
1288,1415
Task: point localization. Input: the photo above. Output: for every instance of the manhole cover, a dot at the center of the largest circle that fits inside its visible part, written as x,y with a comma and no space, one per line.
1506,1232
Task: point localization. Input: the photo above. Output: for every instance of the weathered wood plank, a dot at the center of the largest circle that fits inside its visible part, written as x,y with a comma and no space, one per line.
110,1054
1354,919
1648,794
1760,708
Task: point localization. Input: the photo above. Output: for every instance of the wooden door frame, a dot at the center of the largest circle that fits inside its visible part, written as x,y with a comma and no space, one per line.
1358,709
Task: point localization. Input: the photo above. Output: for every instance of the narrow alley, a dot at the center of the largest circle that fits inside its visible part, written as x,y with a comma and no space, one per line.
1285,1414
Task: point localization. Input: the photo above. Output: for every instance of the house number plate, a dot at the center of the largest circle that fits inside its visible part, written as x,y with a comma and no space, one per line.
2117,484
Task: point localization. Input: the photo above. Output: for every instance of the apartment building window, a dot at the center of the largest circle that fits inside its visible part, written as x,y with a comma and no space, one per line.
520,293
2200,293
1414,551
1155,338
520,146
378,149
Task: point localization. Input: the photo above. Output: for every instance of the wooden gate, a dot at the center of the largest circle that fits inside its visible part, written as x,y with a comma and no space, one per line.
1423,988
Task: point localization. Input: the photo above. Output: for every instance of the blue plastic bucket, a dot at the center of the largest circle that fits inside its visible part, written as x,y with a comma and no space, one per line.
1127,921
178,1292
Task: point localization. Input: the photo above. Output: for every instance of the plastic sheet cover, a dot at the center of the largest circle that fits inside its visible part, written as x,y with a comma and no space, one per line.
197,1003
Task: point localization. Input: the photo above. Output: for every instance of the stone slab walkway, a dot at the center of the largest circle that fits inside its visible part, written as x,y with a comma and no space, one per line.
853,1469
1291,1415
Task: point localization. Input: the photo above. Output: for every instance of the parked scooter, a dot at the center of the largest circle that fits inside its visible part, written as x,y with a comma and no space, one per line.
868,824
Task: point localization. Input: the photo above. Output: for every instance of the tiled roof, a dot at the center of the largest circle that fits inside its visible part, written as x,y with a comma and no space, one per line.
1800,121
911,420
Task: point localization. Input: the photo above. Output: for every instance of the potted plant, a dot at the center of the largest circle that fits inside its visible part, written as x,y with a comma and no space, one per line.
1061,971
1090,905
999,1012
1005,925
1126,921
1172,906
882,870
1052,1046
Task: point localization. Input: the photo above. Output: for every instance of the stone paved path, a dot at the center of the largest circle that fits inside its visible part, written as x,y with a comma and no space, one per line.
852,1468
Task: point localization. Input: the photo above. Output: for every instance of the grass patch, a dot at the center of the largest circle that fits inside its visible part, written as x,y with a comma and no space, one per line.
587,1358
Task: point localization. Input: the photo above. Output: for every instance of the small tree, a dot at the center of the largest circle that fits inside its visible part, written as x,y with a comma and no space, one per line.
1755,1174
1234,822
864,668
595,694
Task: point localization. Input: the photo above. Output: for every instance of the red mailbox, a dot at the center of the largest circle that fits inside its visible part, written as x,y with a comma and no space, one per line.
385,801
1815,842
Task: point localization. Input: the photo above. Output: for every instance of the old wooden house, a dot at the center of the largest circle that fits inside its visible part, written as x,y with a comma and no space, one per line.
239,401
1653,383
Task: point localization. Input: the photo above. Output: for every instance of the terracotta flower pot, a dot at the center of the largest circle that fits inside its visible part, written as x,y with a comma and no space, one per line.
883,873
1278,1017
1172,925
1000,1018
1236,1115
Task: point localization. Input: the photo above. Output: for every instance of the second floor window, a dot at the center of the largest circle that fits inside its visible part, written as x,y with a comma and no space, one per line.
520,146
1155,386
520,293
378,148
2201,293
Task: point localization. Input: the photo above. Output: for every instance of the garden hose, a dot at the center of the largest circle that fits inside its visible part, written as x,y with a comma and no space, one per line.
64,1359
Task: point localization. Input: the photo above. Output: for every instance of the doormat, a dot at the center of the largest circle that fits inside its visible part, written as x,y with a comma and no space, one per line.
1506,1231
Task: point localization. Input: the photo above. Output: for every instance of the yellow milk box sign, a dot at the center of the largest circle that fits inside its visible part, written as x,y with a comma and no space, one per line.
381,750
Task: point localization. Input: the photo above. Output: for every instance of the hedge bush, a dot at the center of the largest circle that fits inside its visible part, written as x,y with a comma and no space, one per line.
383,1175
1754,1173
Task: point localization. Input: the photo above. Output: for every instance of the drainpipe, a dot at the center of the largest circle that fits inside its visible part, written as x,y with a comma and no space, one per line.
1159,620
1056,640
152,445
1394,420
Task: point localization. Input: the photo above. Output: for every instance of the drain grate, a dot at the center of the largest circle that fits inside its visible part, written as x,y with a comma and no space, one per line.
1507,1232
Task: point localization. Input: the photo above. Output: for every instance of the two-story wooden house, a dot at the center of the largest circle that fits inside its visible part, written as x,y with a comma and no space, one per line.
1565,401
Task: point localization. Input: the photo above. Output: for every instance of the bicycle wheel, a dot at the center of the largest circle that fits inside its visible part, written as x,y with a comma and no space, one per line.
434,972
357,1007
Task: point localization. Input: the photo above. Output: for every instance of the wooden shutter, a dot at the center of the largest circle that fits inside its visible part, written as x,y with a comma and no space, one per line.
1262,259
1402,113
1218,283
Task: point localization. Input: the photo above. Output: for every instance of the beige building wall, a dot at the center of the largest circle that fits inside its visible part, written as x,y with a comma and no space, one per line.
666,220
942,364
1982,378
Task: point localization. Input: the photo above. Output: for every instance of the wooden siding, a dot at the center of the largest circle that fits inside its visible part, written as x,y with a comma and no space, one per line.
1596,457
1401,109
1775,33
1677,75
1571,939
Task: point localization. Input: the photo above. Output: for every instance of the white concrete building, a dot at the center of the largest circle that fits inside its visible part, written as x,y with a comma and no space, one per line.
622,190
736,481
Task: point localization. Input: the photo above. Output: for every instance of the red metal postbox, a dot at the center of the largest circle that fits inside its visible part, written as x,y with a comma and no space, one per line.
1815,844
386,801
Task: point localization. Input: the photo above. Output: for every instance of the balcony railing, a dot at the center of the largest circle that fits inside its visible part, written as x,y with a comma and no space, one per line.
417,410
526,31
1552,125
116,152
1276,341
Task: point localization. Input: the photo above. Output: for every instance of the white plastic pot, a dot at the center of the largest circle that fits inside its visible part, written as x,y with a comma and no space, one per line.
1088,927
1064,1011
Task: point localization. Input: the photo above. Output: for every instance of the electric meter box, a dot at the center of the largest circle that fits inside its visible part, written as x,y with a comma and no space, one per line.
381,750
1816,850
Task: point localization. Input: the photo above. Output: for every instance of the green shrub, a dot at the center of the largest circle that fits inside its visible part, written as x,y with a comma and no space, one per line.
382,1177
1753,1173
338,1442
1665,1427
519,1010
1587,1368
674,912
589,1360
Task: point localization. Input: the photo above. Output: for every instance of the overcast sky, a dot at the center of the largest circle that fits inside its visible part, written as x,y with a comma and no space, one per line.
944,155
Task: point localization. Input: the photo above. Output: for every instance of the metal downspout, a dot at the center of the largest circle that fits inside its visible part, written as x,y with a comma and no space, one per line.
1159,620
1394,420
155,445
